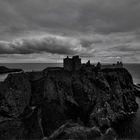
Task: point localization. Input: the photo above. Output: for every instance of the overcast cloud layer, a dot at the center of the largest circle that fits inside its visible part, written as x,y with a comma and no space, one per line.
48,30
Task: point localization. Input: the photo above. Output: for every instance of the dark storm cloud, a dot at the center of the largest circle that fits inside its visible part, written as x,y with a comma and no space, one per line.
111,15
81,15
53,45
92,28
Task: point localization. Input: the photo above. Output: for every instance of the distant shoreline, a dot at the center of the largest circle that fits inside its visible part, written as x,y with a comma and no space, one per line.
5,70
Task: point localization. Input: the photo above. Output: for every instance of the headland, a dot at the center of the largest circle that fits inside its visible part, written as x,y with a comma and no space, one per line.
77,101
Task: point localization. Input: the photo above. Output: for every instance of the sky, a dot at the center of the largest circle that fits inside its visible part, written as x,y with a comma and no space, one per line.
33,31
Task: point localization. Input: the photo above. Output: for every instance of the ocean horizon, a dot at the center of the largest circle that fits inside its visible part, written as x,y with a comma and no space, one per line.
133,68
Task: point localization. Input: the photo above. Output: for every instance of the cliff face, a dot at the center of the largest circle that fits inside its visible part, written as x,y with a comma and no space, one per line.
89,97
94,98
15,94
17,119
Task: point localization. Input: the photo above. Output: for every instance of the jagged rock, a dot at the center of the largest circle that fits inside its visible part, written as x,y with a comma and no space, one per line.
93,98
27,128
96,98
11,129
110,134
15,94
75,132
53,116
32,126
93,133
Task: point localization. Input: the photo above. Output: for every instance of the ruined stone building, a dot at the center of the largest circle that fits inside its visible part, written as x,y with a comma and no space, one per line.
72,64
119,64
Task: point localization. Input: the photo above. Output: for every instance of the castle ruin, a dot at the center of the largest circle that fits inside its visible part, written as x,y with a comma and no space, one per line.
72,64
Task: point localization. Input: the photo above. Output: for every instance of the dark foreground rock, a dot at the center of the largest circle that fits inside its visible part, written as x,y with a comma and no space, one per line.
137,90
75,131
93,99
15,94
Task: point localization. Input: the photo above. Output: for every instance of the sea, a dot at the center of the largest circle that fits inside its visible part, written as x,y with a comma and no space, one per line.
129,129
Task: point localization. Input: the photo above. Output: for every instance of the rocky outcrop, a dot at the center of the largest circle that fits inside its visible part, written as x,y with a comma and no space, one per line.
11,129
137,90
92,98
26,128
4,69
15,93
17,119
75,131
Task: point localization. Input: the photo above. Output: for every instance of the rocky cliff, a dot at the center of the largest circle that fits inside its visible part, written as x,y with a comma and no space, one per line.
4,69
91,98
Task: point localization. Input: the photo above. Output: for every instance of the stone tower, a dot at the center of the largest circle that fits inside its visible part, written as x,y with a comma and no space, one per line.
72,64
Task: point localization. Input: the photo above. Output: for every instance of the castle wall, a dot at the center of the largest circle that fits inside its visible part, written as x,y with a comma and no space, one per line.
77,64
72,64
68,65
